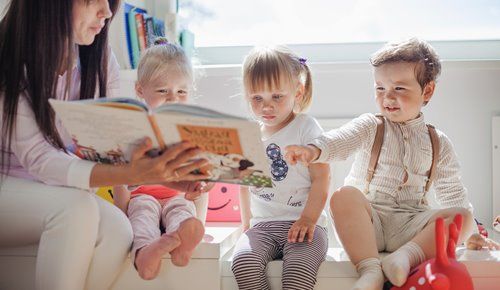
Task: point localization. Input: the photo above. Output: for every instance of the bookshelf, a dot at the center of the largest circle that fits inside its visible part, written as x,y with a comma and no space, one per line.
160,9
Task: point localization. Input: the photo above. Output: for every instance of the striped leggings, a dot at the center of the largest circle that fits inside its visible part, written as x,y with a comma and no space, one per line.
268,241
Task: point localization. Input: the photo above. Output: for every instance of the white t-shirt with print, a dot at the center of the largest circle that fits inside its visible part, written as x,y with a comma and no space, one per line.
291,183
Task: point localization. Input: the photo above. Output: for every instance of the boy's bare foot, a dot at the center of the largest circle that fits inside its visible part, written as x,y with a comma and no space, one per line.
478,242
190,233
148,258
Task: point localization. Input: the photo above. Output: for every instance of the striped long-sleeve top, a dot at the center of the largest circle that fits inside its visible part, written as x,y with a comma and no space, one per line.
404,162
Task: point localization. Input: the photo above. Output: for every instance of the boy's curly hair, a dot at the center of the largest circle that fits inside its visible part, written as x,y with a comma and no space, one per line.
413,50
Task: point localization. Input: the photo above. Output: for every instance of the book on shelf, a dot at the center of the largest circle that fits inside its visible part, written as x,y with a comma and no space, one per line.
107,130
141,31
134,48
150,33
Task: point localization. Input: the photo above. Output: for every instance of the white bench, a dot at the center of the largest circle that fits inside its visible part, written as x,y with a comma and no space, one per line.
17,265
338,273
210,267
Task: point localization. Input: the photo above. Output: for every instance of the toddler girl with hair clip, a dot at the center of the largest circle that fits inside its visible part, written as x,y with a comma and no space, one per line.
287,221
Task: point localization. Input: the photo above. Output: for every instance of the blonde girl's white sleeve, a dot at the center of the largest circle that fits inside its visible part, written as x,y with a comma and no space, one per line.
310,130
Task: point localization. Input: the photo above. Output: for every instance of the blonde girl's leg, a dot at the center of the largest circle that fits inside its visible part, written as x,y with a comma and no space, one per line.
144,213
180,221
301,261
63,221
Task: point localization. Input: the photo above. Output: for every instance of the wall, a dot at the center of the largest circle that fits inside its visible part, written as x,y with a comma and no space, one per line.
3,3
466,98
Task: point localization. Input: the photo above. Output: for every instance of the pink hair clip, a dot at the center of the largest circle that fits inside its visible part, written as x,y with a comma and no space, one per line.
161,41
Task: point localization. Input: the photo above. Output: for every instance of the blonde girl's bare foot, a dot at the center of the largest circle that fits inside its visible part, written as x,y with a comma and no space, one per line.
148,258
190,233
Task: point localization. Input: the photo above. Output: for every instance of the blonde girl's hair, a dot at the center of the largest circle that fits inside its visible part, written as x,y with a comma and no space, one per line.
162,57
266,68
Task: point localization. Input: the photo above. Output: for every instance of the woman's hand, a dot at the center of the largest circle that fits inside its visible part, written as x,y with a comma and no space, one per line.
304,154
302,227
174,164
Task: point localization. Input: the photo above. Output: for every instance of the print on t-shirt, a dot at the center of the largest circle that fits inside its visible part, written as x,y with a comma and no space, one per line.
279,168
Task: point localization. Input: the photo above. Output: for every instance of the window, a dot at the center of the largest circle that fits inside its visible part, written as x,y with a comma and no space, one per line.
359,24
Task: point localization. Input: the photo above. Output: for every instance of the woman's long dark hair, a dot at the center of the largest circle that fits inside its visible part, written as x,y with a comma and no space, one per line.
36,44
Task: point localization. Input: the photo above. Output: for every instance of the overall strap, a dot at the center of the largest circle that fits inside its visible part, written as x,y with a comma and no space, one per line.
375,153
435,156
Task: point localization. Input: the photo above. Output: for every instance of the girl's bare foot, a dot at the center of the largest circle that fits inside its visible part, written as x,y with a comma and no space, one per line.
190,233
148,258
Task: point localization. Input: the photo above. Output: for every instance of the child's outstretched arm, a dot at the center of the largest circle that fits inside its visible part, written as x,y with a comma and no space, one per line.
245,211
121,197
337,144
303,154
306,224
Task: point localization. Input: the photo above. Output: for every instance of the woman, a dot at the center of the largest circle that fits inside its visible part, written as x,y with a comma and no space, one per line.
58,49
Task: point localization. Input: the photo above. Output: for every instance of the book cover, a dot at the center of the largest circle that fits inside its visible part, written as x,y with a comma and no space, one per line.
231,144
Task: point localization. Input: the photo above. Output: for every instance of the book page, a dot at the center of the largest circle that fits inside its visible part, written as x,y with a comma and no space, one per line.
233,146
103,134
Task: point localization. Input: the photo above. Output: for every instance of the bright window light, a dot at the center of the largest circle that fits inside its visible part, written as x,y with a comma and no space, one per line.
243,23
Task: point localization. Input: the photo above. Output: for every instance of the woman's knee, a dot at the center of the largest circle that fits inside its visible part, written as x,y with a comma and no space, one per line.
78,208
114,226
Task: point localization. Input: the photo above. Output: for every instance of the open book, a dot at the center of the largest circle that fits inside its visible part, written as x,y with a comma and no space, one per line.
107,130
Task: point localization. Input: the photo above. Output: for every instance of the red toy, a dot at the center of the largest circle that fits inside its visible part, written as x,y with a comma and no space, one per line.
444,272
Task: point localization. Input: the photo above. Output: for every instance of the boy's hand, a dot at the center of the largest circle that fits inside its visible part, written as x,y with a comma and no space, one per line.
477,242
304,154
196,188
302,227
